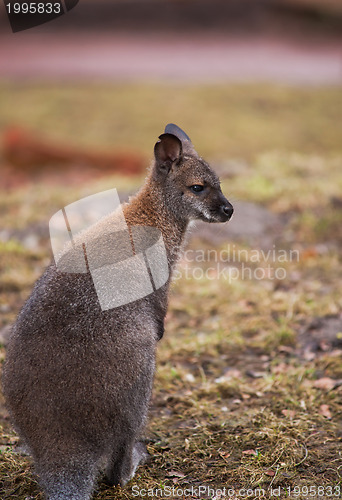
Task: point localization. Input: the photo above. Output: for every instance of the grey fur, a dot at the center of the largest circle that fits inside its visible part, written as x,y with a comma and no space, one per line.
77,379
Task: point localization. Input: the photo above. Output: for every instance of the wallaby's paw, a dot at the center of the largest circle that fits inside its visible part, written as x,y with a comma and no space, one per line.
139,456
22,449
140,453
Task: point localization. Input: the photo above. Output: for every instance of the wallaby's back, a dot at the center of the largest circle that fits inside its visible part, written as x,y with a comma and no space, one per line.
72,373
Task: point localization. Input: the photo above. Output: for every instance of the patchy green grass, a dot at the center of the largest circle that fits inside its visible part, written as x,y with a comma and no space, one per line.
240,399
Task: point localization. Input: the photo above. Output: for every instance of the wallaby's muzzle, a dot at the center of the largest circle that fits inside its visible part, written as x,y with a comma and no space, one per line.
221,210
227,210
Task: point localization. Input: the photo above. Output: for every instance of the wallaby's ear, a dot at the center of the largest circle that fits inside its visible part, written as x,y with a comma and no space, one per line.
171,128
168,149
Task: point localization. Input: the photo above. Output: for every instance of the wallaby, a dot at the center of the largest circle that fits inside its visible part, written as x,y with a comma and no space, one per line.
78,379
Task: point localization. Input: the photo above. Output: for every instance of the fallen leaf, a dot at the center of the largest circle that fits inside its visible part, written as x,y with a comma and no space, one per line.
174,473
245,396
309,253
250,452
224,456
255,374
325,383
264,357
233,373
280,368
309,355
325,345
286,349
324,410
289,413
270,473
229,375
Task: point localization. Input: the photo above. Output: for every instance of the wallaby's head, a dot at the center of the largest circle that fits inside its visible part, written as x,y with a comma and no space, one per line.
191,189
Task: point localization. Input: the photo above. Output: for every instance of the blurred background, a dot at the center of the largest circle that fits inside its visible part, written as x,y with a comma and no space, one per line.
170,48
253,363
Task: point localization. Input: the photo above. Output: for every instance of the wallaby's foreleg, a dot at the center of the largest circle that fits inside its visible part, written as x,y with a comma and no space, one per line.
124,462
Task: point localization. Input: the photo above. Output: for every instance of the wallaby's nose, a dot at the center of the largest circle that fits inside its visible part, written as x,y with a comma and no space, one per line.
227,210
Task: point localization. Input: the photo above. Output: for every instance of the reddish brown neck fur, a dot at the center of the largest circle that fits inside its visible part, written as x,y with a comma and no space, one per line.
148,207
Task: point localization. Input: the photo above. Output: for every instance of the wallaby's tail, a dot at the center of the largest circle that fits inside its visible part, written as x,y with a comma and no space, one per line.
74,481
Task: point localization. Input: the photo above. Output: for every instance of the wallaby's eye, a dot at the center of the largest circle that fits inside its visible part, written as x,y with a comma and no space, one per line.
196,188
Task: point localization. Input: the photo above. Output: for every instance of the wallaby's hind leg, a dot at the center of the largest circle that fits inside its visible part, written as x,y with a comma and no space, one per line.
124,462
73,482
